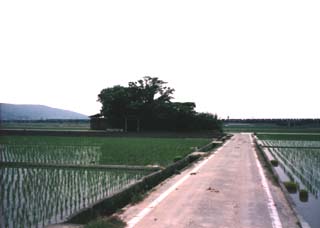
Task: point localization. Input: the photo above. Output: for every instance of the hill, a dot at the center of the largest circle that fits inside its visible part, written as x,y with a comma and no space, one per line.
35,112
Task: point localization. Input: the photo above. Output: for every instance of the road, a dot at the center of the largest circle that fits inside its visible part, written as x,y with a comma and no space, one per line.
228,189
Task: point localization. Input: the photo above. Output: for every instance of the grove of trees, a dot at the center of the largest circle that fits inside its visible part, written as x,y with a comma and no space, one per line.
147,102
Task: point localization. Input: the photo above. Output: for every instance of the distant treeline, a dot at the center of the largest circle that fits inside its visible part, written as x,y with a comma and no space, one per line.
279,122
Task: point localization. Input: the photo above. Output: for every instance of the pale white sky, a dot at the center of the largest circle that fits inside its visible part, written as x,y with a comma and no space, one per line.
240,59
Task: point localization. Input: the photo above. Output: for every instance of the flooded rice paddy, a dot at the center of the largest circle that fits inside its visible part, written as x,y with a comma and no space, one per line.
38,195
53,154
46,179
35,197
299,161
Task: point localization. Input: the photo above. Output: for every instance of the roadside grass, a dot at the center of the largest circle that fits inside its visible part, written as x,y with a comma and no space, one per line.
119,151
266,166
112,222
138,197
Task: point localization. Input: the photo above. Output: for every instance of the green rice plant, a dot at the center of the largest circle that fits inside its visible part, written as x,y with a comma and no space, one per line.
136,198
296,137
38,196
290,186
303,163
97,150
136,151
303,195
274,163
177,158
53,194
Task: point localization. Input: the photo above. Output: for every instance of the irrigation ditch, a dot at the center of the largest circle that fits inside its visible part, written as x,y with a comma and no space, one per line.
268,157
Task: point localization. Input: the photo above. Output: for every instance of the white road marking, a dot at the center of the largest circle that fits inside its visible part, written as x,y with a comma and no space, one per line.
154,203
276,223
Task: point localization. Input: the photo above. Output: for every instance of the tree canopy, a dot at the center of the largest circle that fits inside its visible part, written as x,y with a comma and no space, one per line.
149,100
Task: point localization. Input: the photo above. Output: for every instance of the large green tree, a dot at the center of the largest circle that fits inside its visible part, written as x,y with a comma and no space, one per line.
149,100
115,104
151,90
139,99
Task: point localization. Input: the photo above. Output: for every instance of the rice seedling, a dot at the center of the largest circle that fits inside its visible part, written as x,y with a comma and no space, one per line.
95,150
274,163
303,195
290,186
298,157
39,198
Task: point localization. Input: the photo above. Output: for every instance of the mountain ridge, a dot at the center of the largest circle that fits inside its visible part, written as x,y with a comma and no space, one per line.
35,112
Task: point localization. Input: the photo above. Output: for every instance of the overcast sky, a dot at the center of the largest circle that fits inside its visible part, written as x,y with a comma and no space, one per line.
243,59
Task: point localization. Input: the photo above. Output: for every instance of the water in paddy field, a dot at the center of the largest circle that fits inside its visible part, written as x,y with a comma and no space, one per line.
39,195
53,154
35,197
299,161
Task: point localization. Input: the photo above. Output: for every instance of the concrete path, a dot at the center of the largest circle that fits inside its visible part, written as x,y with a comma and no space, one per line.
226,190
